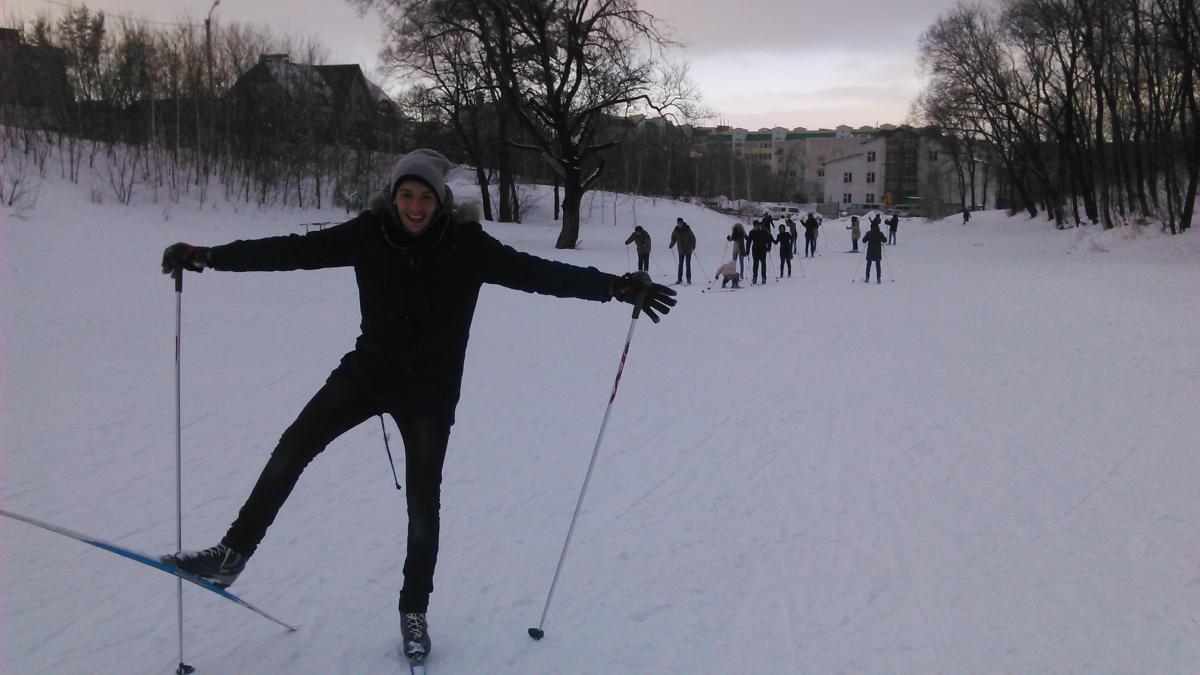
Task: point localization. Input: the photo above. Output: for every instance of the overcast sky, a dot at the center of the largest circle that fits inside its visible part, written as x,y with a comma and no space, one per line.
758,63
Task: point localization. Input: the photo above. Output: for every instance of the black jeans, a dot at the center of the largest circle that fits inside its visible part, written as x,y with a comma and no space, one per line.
338,407
785,262
644,262
760,262
878,275
810,247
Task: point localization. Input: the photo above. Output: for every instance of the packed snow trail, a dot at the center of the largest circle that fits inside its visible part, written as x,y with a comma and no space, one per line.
986,465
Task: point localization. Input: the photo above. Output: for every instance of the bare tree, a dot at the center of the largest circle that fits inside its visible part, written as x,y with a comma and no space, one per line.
560,66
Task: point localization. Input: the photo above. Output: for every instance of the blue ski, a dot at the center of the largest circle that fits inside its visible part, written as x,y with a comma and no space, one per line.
149,560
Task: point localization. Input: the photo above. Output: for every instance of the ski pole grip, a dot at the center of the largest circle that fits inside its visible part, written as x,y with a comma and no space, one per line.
178,276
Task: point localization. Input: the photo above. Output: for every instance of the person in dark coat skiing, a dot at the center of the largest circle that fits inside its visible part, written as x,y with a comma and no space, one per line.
740,247
874,240
855,233
419,263
683,240
810,235
791,226
966,214
893,223
785,250
760,244
641,239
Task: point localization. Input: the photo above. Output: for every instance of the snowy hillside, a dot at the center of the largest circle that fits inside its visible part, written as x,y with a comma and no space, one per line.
986,465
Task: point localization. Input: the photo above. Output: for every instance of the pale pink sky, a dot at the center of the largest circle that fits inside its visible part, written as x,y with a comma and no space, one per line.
757,62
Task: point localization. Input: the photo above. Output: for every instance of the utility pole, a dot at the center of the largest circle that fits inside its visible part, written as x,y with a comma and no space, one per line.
211,87
208,44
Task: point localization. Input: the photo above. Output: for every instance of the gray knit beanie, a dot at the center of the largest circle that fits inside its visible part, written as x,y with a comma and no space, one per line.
428,166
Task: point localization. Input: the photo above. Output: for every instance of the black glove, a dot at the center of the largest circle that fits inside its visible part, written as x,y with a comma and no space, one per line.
183,256
639,290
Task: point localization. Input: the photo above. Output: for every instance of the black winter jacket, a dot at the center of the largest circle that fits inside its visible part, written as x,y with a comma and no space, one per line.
785,243
684,237
760,242
417,296
810,227
874,241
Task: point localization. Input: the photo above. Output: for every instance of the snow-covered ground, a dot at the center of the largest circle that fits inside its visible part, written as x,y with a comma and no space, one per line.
988,464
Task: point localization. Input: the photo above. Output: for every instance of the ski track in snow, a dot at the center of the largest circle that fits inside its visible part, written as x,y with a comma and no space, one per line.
987,465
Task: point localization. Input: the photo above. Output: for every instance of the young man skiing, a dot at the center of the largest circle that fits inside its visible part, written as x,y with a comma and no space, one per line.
683,240
641,239
810,235
893,223
874,241
785,251
791,226
760,243
419,263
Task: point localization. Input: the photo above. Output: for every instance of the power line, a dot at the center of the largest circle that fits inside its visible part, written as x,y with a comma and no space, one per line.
123,16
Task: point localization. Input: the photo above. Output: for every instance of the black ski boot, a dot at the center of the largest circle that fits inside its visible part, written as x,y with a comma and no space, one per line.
414,630
219,565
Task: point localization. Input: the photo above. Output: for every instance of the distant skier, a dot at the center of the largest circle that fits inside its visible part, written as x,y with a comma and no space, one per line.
728,273
893,223
740,247
874,241
641,238
419,263
966,214
785,242
810,235
791,226
855,233
683,240
760,244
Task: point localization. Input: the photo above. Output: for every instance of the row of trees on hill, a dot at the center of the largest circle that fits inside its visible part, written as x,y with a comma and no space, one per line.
1090,106
148,109
567,93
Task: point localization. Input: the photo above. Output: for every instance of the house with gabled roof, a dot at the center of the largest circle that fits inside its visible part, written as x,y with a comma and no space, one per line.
280,99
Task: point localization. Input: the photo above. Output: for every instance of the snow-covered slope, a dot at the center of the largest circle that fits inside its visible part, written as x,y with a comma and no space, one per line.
986,465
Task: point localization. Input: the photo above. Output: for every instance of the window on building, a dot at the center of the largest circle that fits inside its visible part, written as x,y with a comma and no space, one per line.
846,198
933,155
871,156
820,173
870,197
848,177
870,176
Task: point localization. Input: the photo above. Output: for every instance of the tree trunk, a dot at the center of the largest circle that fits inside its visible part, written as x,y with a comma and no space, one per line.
568,237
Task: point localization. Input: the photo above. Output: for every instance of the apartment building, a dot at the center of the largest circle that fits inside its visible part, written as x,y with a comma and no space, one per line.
798,154
902,166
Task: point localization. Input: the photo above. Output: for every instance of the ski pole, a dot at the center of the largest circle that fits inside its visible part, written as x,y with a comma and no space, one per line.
711,281
886,263
699,264
660,269
538,633
183,668
387,446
